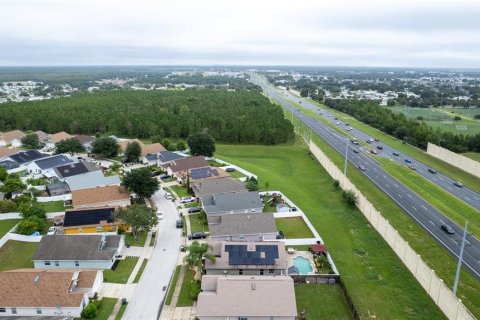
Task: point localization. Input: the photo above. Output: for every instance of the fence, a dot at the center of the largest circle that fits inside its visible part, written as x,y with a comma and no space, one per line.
466,164
450,305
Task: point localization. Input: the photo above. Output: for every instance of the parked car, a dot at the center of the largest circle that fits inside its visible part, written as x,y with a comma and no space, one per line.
362,167
197,235
51,231
194,209
280,235
187,199
447,228
458,184
159,215
432,170
179,224
379,147
230,169
155,173
165,176
168,196
355,151
408,160
396,154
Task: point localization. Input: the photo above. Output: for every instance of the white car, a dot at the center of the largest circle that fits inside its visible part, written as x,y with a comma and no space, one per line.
51,231
159,215
168,196
187,199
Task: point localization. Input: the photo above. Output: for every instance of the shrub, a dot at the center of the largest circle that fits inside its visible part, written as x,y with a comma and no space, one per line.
195,287
350,197
336,183
90,311
457,118
7,206
30,225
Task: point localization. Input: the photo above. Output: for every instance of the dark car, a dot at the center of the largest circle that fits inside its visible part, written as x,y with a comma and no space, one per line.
155,173
179,224
408,161
194,209
230,169
458,184
165,176
355,151
362,167
197,235
379,147
396,154
448,229
280,235
432,170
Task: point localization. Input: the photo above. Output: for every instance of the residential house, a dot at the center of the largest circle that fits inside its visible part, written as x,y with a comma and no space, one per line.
47,293
243,227
24,158
57,189
13,138
205,187
165,157
111,196
247,258
46,166
91,179
86,141
149,151
196,174
180,167
150,159
57,137
90,221
78,251
247,298
9,165
6,152
43,138
74,169
232,203
124,142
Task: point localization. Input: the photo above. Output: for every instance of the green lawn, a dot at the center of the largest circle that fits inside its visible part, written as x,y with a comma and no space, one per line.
322,301
377,280
214,163
237,174
140,242
432,253
472,155
122,272
294,228
191,204
140,272
106,308
184,299
173,284
17,254
7,225
181,191
121,311
53,206
449,205
196,224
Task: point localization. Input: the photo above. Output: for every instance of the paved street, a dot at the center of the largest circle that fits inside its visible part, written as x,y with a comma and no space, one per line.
152,288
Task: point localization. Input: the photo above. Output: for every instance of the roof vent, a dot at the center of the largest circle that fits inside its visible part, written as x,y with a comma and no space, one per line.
103,242
253,285
213,200
37,278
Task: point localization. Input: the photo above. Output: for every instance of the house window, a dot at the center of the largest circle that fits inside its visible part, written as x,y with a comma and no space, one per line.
57,264
77,263
39,310
262,272
99,229
47,263
240,271
271,271
242,318
14,310
3,310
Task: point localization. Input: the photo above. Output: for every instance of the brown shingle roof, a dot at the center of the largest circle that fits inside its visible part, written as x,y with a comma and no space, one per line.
123,143
10,135
153,148
84,138
57,137
5,152
52,288
189,163
98,195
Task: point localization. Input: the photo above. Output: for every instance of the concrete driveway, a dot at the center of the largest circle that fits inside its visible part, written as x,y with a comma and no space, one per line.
149,292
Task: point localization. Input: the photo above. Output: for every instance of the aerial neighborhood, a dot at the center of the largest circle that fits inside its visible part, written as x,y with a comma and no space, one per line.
97,211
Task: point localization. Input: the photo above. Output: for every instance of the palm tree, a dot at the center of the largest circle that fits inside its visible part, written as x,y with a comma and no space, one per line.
196,251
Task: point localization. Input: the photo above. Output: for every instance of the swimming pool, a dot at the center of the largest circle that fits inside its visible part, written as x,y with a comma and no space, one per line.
303,265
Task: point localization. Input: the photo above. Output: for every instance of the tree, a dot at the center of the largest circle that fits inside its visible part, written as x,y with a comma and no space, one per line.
3,173
70,145
195,253
139,217
133,151
30,225
32,210
201,143
181,145
349,197
141,182
90,311
457,118
105,147
477,116
31,141
251,184
166,142
12,184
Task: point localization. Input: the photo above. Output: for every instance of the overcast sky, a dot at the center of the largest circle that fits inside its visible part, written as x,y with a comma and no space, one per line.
399,33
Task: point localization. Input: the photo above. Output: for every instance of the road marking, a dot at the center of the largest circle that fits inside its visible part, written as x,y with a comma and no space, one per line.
453,240
450,188
409,195
400,195
431,222
415,209
385,176
424,207
396,185
387,186
467,198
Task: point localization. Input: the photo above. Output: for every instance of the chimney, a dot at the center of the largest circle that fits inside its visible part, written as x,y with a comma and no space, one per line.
36,279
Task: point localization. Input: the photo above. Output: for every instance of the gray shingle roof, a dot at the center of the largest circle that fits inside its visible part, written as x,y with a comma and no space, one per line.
220,185
76,247
232,201
242,224
91,179
52,162
167,156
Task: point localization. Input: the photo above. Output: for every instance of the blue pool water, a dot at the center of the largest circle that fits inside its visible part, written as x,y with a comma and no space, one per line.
303,265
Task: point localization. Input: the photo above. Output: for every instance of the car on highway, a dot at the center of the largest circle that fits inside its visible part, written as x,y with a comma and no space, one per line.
396,154
373,151
458,184
379,147
354,141
408,160
447,228
362,167
349,128
355,151
368,141
179,224
376,139
412,167
187,199
197,235
159,215
338,123
194,209
168,196
371,139
432,170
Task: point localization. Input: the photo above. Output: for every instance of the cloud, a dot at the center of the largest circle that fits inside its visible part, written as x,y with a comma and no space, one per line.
373,33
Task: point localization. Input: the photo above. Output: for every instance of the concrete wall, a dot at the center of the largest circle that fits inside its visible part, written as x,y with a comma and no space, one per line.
73,312
249,237
451,306
62,197
466,164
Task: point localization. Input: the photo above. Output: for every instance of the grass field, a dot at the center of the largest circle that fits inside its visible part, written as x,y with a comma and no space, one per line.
122,271
237,174
294,228
7,225
321,301
469,113
184,299
17,254
472,155
140,242
140,271
106,308
173,284
53,206
195,223
181,191
378,282
121,311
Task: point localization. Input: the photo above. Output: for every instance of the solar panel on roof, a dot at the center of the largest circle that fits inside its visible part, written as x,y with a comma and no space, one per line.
88,217
240,255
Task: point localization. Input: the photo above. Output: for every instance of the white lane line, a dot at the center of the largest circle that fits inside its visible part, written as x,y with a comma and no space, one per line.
415,209
387,186
449,188
431,222
409,195
400,195
425,208
385,176
396,185
467,198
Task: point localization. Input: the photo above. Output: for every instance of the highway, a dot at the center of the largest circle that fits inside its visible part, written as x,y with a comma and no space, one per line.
421,211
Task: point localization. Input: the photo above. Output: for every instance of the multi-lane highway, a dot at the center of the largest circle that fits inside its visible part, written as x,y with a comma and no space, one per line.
421,211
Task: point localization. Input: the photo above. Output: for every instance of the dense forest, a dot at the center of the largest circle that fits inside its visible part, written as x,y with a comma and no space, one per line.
231,117
412,131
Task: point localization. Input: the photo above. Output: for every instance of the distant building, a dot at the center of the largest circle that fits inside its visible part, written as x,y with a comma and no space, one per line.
232,203
243,227
74,169
205,187
91,179
13,138
165,157
46,166
111,196
24,158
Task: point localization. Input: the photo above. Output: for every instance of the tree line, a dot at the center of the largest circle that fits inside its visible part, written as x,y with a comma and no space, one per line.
230,117
415,132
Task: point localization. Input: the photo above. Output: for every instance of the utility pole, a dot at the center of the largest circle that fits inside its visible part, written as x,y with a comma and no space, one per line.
460,257
346,159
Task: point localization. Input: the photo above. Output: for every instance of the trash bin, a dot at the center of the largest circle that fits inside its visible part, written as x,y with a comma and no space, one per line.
128,245
124,301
